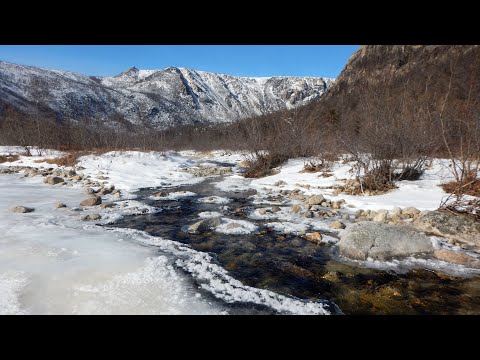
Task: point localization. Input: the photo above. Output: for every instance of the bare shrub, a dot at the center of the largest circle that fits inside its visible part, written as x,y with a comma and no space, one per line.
8,158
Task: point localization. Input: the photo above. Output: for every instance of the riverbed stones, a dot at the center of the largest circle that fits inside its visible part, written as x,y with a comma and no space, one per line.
457,227
96,200
53,180
314,237
205,225
410,212
275,209
315,200
91,217
382,241
160,194
22,209
262,211
89,191
337,225
233,225
59,205
456,258
296,208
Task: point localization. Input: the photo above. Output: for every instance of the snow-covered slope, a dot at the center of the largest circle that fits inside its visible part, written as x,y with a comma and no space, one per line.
161,98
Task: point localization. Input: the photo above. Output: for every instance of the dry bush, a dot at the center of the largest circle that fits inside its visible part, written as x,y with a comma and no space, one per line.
313,166
470,186
263,165
8,158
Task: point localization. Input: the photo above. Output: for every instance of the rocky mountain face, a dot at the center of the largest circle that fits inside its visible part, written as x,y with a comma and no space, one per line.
156,98
403,75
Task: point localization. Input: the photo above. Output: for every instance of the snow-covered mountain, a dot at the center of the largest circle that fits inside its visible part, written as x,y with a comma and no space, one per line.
161,98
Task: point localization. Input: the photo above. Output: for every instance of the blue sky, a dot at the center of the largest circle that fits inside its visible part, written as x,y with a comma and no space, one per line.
240,60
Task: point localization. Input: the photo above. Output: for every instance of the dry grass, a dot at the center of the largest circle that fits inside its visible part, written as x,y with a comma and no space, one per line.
468,187
68,160
8,158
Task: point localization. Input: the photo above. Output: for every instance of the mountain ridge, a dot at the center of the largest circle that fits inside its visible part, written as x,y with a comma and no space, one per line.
154,98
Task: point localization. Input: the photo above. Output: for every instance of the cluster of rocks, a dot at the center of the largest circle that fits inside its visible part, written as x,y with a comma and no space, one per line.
59,177
201,171
204,225
393,216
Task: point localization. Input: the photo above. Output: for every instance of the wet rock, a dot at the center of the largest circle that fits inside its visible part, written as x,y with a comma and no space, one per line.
160,194
59,205
91,217
89,191
382,241
105,191
53,180
21,209
316,200
296,208
337,225
314,237
275,209
97,200
108,205
460,228
205,225
308,214
456,258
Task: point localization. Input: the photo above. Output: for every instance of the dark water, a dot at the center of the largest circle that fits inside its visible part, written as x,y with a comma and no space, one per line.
290,265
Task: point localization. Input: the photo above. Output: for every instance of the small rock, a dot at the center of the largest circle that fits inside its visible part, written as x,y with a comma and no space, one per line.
316,200
97,200
337,225
89,191
296,208
396,211
314,237
107,205
281,182
275,209
315,208
346,217
204,225
262,211
21,209
91,217
53,180
410,212
233,225
380,217
160,194
308,214
280,238
324,204
117,195
59,205
76,178
451,241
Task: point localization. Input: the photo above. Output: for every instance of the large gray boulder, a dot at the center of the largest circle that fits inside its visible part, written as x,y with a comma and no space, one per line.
205,225
382,241
460,228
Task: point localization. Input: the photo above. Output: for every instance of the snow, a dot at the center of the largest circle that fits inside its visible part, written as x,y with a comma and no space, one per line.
214,200
175,195
242,227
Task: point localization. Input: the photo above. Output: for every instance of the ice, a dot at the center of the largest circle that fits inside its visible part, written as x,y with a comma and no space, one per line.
49,259
214,200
